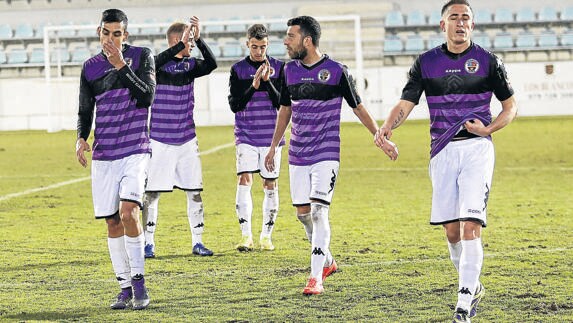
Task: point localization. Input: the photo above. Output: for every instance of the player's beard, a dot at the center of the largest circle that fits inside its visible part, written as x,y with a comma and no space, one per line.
301,54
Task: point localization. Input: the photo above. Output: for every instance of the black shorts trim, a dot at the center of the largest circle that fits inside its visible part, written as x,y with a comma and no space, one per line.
269,178
319,200
304,204
133,201
176,187
107,216
459,220
249,172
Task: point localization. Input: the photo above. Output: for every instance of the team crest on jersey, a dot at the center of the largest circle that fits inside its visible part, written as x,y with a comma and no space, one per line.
471,66
128,61
324,75
272,71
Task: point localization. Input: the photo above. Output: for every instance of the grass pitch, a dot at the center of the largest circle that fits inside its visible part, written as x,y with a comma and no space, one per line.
394,266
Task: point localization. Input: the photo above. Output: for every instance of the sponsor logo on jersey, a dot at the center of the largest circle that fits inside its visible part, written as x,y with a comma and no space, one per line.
471,66
324,75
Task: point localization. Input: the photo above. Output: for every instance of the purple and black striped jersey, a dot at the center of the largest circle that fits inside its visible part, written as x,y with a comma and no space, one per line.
172,110
122,98
255,109
315,94
458,88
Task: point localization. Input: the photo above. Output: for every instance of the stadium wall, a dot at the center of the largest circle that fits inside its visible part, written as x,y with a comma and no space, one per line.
30,104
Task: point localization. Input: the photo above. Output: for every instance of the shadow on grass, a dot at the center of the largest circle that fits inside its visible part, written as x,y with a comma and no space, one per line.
47,316
52,265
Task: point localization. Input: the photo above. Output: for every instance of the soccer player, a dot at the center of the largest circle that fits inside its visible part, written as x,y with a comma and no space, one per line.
175,160
120,83
459,78
312,92
254,86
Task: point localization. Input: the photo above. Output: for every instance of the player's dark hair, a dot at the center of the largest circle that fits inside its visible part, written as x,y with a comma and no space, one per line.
257,31
453,2
308,27
114,15
176,28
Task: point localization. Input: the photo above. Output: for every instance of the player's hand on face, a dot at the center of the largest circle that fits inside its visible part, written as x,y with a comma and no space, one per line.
114,55
196,27
382,135
390,149
257,77
270,160
476,127
186,33
81,148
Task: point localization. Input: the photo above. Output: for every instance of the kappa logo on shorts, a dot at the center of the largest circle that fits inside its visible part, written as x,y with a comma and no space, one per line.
332,181
486,197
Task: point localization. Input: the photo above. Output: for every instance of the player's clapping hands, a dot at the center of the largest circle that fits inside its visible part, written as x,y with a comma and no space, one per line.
195,27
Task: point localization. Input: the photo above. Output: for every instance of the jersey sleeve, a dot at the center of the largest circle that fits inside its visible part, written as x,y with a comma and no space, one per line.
207,64
273,87
284,98
414,87
240,91
168,54
141,84
348,87
498,80
86,108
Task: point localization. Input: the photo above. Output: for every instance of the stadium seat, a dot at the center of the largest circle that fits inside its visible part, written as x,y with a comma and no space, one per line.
525,14
88,32
482,39
80,54
37,56
567,13
150,30
434,19
236,27
276,49
482,16
5,31
547,14
63,53
394,19
393,44
435,40
503,40
232,49
215,48
416,18
67,32
213,26
278,26
503,15
567,38
24,31
414,43
525,40
17,56
2,57
548,39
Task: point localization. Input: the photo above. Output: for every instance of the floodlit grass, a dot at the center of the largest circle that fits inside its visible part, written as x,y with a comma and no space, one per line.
394,266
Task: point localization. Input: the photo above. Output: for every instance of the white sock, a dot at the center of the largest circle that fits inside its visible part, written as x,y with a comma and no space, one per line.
134,247
150,207
307,223
244,207
196,216
320,239
119,261
455,253
270,211
471,261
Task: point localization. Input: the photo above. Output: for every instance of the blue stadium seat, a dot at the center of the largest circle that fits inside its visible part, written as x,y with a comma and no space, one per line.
394,19
393,44
24,31
525,14
503,15
567,38
548,38
5,31
236,28
17,56
503,40
150,30
414,43
276,49
64,55
278,26
215,48
216,28
482,16
89,32
567,13
434,19
232,49
37,56
435,40
525,40
80,54
482,39
67,33
547,14
416,18
3,58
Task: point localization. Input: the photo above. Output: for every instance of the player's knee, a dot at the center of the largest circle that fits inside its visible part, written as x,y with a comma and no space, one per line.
114,224
269,184
471,230
246,179
318,211
129,213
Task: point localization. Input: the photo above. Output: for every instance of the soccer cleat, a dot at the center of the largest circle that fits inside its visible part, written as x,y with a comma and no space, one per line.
461,316
479,293
313,287
327,271
200,250
246,244
123,299
140,296
266,244
149,251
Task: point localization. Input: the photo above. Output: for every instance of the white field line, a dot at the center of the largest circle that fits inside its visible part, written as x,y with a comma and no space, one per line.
77,180
400,169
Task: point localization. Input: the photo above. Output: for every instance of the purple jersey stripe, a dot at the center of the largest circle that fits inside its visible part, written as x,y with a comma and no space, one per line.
172,114
449,98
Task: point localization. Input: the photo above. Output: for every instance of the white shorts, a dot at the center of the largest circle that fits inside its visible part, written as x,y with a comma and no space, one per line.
461,181
118,180
251,159
314,182
174,166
